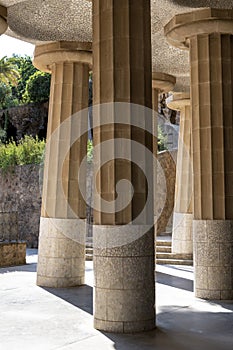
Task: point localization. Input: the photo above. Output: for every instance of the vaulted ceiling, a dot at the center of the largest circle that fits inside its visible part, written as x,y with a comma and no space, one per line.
71,20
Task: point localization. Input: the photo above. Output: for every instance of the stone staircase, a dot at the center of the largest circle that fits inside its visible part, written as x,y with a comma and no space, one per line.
164,253
89,249
165,256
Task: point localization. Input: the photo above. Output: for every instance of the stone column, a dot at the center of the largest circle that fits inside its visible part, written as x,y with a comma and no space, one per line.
209,35
182,235
62,229
3,19
161,82
124,259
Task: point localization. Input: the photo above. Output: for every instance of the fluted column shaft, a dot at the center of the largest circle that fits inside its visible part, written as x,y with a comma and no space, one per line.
3,19
182,237
155,100
212,91
69,92
61,260
212,128
212,96
124,271
183,200
155,104
161,82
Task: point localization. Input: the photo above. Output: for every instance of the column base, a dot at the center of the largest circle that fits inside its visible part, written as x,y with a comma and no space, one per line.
213,259
124,280
61,259
182,233
124,327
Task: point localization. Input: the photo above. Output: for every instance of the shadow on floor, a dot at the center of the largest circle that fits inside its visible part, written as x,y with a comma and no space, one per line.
181,329
225,304
21,268
81,297
174,281
182,268
32,251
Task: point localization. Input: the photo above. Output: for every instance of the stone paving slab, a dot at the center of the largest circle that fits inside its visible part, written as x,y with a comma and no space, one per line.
36,318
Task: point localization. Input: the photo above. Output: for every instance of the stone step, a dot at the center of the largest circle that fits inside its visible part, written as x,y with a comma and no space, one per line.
165,234
174,262
89,257
89,245
163,243
89,250
161,258
164,254
174,256
163,249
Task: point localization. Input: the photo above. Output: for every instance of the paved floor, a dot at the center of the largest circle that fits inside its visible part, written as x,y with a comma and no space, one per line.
47,319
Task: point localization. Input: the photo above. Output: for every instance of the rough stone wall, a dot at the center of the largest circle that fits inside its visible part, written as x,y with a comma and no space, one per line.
164,201
9,226
20,192
20,201
12,254
29,119
166,179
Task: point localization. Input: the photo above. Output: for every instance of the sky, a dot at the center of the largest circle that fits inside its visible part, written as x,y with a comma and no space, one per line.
9,45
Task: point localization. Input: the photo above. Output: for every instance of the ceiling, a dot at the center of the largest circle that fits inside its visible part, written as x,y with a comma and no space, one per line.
71,20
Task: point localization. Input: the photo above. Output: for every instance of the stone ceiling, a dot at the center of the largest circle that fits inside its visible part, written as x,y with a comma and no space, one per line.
164,57
71,20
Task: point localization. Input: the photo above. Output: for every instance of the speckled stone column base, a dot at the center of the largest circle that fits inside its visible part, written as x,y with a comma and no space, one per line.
213,259
182,233
124,279
61,261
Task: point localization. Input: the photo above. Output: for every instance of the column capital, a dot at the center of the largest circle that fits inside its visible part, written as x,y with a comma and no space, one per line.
61,51
163,82
178,100
3,22
206,21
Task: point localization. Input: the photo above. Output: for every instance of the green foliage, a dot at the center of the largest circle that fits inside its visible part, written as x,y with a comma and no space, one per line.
3,130
89,151
24,83
26,69
5,92
14,74
161,140
3,135
8,157
9,73
6,97
37,87
28,151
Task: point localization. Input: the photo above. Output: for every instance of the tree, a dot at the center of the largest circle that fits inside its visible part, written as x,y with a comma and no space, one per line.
6,97
5,92
162,140
9,73
37,87
20,83
26,70
9,76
